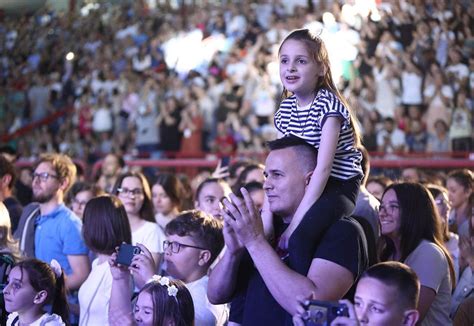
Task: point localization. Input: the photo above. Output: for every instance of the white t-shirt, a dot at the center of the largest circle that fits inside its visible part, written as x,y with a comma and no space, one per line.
411,88
94,295
151,236
205,313
44,320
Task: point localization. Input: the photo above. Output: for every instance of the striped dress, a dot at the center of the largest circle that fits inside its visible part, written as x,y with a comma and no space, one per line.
308,123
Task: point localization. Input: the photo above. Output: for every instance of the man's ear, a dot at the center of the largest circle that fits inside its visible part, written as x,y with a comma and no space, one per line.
307,178
5,180
40,297
410,317
64,184
204,257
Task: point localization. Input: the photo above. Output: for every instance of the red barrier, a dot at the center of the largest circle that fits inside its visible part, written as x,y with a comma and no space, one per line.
29,127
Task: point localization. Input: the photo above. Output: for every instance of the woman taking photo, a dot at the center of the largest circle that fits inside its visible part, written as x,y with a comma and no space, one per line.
411,234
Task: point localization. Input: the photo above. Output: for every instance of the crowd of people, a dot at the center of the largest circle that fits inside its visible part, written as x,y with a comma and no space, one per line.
212,256
405,67
277,243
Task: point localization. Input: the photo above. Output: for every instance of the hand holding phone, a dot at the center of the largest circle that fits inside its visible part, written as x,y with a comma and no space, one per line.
322,313
126,253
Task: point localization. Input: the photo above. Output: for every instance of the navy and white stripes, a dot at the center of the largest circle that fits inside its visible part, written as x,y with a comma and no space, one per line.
307,124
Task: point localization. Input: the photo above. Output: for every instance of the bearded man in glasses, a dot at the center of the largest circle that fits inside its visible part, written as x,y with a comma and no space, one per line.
48,229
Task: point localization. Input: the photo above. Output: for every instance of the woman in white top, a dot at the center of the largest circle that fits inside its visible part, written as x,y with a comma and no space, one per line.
105,227
133,189
411,233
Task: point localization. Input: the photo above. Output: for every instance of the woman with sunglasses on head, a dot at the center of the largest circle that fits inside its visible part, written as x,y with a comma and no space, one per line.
133,189
411,234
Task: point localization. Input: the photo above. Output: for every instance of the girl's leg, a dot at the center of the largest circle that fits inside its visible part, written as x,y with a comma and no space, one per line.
338,200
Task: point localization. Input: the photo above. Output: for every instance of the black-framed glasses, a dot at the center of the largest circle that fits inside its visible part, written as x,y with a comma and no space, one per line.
43,176
388,209
130,192
79,203
175,247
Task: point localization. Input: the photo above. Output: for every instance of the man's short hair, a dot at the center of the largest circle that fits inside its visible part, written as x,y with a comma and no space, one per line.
7,168
62,165
399,276
307,154
205,230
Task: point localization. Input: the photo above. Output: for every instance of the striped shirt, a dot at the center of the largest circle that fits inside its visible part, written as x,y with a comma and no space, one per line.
308,123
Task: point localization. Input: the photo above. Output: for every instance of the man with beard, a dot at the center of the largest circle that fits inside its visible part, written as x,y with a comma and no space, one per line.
48,229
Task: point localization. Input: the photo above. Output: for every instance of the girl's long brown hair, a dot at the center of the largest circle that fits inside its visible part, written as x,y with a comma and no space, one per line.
315,45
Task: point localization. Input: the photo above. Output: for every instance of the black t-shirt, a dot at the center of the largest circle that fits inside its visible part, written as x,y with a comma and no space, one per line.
343,244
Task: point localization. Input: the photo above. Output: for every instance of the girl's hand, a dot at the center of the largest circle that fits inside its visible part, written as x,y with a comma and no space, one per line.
142,266
119,272
285,237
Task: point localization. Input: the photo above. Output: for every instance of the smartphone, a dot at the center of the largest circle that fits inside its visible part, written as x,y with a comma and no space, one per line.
126,253
322,313
225,161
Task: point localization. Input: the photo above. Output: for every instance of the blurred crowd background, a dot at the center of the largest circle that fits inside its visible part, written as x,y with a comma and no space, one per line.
149,79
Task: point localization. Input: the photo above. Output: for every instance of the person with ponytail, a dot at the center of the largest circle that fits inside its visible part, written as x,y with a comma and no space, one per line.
33,284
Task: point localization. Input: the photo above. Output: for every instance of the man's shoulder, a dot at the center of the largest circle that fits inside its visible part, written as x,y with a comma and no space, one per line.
345,226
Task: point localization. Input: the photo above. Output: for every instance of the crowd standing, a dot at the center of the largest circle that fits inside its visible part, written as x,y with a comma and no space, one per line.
405,67
249,243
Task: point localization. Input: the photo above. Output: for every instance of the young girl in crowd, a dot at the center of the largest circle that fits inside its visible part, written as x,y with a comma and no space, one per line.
161,302
33,284
166,196
317,113
133,190
105,227
411,234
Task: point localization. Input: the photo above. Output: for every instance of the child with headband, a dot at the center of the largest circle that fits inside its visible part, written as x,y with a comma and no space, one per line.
33,284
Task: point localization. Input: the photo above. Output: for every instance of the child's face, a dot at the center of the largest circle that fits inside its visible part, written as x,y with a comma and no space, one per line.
377,303
299,71
144,309
18,294
185,265
209,199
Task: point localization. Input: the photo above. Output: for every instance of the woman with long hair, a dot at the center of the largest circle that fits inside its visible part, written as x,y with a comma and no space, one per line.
411,234
133,189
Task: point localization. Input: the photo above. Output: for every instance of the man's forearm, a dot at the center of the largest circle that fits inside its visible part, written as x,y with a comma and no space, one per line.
283,283
223,278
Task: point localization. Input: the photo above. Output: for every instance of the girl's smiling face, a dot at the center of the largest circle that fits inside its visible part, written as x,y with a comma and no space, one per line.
389,214
18,293
299,71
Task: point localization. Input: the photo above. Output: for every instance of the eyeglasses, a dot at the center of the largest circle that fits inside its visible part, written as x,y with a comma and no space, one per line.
175,247
389,209
79,203
130,192
43,176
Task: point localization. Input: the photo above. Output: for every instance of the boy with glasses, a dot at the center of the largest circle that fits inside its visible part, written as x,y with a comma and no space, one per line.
194,240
